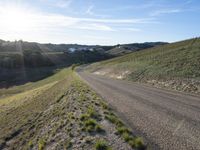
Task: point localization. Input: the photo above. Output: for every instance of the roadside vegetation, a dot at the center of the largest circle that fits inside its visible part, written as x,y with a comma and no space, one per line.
61,112
174,66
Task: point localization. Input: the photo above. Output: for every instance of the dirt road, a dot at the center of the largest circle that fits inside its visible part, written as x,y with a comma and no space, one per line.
167,120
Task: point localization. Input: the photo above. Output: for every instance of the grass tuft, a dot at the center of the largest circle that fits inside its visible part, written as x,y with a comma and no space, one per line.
102,145
41,144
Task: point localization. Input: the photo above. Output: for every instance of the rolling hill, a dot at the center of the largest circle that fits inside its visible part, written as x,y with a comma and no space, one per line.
174,66
19,54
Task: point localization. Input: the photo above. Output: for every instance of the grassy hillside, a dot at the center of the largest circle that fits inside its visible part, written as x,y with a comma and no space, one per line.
123,49
60,112
175,65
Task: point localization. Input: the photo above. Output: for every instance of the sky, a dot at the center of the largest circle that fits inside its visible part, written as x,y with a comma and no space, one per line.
102,22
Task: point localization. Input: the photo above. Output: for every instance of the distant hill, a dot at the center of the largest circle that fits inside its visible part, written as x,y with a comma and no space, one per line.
119,50
175,65
20,54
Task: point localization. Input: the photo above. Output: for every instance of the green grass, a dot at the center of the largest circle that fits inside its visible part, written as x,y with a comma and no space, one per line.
41,144
91,126
30,144
114,119
84,117
124,132
102,145
89,121
92,113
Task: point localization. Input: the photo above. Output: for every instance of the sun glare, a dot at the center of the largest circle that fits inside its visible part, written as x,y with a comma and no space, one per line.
15,19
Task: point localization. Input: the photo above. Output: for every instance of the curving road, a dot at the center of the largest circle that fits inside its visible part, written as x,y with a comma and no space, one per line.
167,120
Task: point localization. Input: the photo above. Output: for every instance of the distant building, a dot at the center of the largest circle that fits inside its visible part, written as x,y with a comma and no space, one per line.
72,49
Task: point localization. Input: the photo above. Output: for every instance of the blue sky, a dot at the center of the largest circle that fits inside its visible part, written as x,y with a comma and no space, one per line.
104,22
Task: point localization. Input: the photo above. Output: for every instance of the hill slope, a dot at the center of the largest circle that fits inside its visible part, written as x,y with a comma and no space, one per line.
60,112
120,50
175,66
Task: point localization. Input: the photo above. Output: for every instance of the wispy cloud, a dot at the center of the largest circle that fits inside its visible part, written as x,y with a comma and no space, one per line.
89,10
58,3
42,21
140,6
94,26
29,24
120,21
188,2
96,37
63,3
165,11
131,29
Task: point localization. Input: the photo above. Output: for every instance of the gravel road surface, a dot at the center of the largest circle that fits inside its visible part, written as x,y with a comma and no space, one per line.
167,120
